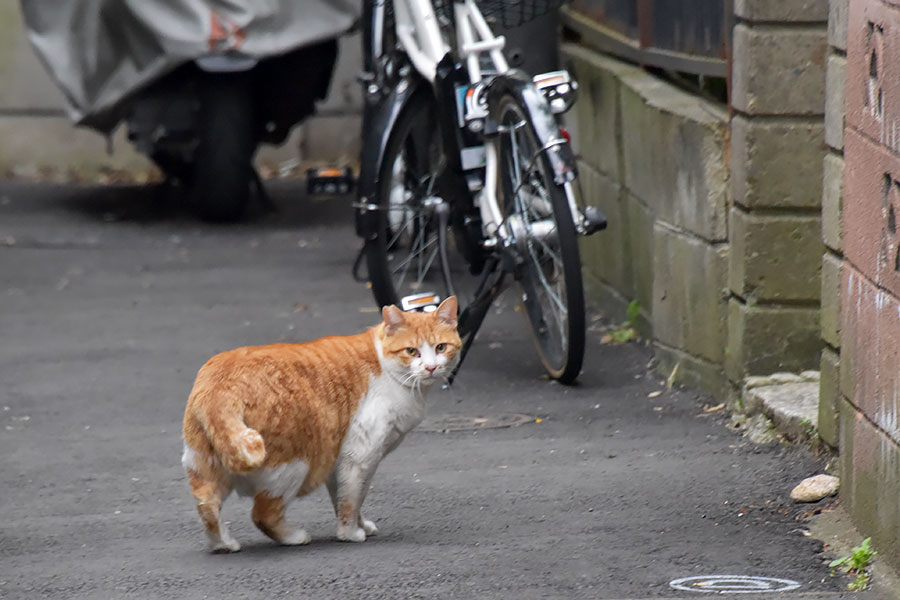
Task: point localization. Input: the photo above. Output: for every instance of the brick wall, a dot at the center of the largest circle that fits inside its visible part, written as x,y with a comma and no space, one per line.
869,329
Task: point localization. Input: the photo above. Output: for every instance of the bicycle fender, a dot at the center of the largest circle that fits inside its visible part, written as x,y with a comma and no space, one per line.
378,123
546,129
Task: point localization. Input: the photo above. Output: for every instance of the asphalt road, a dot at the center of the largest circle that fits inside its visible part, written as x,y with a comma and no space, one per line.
109,303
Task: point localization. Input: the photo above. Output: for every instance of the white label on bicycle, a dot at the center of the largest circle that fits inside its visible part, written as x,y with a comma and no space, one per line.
473,157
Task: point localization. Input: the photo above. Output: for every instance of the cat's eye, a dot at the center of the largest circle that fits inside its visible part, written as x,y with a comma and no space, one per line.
440,348
412,351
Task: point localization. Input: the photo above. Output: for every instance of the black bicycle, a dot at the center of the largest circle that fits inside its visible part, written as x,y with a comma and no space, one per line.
466,178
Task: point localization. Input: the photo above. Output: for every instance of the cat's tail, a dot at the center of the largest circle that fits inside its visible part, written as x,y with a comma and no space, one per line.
240,448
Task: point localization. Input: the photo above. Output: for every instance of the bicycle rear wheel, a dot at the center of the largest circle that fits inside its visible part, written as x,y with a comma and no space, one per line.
403,257
540,224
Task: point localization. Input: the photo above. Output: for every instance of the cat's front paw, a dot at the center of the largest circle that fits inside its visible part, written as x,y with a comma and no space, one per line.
369,527
225,547
351,534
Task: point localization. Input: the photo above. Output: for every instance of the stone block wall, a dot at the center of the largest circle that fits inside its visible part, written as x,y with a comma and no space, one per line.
715,214
777,149
867,334
832,229
37,140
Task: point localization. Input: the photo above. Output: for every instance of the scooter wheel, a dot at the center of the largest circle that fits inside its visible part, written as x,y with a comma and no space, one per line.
222,172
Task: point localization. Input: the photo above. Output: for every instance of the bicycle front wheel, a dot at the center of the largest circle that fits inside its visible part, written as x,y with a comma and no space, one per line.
540,225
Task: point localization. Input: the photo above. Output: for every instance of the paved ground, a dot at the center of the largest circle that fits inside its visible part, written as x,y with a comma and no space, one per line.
110,302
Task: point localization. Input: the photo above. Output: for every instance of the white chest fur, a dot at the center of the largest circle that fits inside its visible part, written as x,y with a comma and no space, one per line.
385,415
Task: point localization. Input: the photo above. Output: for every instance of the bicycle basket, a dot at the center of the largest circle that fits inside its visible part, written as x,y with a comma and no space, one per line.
513,13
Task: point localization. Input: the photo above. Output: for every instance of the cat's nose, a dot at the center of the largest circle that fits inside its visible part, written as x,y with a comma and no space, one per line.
430,369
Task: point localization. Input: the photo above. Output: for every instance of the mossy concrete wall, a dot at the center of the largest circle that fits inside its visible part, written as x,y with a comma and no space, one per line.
37,140
654,159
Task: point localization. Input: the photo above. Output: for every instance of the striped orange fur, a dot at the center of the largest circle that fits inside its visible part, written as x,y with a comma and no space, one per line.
275,422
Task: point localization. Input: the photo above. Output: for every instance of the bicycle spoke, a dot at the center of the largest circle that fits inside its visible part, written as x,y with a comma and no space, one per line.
543,278
413,255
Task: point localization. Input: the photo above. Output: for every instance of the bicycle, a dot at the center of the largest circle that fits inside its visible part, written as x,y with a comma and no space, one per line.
466,177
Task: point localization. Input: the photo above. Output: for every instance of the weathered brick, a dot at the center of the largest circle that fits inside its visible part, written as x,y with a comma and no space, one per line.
769,339
674,155
594,121
870,340
689,293
833,201
873,73
776,163
871,210
779,71
606,254
870,482
829,397
798,11
831,299
775,257
834,100
837,23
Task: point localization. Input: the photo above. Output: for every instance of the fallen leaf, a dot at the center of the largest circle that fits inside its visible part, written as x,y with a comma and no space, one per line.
654,394
538,420
712,409
670,380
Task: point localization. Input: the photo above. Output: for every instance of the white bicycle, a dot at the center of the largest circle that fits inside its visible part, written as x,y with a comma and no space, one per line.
466,178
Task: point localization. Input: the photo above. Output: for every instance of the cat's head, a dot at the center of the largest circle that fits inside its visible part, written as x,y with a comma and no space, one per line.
421,348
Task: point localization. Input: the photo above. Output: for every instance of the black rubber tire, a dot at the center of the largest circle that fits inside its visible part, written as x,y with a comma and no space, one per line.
218,189
415,138
563,357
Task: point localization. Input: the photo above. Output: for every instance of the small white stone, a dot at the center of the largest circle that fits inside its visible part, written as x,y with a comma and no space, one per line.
813,489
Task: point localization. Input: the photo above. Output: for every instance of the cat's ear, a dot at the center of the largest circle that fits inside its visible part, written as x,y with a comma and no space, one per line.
446,312
393,319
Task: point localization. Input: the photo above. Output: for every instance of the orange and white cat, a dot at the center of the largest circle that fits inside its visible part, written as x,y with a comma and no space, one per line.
275,422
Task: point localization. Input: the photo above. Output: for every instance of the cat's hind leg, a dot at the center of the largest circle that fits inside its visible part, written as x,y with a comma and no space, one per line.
209,495
268,516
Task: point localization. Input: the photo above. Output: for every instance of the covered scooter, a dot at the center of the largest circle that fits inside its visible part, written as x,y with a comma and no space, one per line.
200,83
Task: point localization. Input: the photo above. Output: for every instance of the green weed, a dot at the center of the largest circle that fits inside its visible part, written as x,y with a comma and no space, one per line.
626,331
856,563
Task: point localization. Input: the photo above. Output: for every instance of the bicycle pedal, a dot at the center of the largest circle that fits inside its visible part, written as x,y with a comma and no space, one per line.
594,220
330,181
424,302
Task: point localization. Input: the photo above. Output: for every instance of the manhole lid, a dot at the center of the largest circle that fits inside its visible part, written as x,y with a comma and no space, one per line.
444,423
733,584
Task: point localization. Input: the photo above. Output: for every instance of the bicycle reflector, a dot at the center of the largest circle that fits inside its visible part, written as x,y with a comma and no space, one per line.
426,302
559,88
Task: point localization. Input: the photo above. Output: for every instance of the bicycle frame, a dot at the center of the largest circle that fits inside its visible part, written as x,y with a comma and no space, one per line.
419,35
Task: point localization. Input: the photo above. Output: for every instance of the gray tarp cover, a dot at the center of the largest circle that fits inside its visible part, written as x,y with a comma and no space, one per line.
101,51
